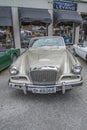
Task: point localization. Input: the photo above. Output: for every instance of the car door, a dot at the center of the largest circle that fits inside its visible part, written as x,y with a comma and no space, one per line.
82,52
5,60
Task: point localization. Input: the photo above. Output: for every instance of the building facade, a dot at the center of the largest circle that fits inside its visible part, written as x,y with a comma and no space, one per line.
67,20
22,24
71,20
21,19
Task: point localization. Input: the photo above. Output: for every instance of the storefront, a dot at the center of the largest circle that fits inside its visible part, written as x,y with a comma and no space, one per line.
65,20
26,17
33,22
6,28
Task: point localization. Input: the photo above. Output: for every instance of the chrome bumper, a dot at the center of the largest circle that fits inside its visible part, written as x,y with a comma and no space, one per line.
46,89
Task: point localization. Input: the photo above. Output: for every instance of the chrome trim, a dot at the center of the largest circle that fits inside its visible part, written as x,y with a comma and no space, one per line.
29,87
45,75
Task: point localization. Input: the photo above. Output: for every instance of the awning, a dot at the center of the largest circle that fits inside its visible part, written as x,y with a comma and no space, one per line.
32,14
5,16
66,16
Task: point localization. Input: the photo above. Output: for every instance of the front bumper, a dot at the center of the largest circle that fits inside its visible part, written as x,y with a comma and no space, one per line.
45,89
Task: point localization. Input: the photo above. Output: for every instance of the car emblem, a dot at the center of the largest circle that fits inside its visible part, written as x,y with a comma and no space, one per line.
43,80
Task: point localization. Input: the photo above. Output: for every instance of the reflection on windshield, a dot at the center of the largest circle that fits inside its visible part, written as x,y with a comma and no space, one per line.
47,42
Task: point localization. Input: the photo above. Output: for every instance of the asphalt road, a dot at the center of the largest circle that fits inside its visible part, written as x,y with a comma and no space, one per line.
43,112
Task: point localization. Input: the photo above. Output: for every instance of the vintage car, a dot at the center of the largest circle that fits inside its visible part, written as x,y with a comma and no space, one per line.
7,56
46,67
81,50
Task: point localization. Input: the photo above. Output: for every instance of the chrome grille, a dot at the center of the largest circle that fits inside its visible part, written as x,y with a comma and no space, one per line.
43,77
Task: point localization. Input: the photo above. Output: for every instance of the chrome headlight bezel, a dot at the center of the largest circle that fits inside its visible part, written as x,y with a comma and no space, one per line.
13,70
76,69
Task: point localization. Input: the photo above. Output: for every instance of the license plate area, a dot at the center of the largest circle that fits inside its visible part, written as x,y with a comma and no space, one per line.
44,90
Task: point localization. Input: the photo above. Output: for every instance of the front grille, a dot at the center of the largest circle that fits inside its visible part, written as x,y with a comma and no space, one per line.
43,77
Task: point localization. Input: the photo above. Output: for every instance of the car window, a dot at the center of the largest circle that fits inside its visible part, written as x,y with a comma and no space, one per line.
47,42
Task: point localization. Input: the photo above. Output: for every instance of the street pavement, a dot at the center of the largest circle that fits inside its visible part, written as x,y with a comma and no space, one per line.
43,112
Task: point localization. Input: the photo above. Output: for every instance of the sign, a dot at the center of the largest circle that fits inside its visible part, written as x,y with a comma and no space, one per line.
65,5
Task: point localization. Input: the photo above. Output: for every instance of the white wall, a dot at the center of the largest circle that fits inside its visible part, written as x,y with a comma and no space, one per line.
46,4
16,27
50,27
82,7
77,35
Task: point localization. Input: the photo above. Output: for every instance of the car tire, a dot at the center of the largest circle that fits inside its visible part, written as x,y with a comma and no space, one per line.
14,57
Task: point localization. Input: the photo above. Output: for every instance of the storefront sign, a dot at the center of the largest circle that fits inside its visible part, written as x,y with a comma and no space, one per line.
65,5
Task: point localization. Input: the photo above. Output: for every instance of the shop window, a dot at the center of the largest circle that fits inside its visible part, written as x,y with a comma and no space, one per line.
6,37
65,31
29,31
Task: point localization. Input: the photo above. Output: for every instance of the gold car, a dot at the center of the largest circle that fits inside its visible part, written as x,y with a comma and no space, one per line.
46,67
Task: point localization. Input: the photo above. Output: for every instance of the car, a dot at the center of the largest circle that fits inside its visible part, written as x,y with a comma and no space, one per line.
80,50
46,67
25,38
25,33
7,56
25,41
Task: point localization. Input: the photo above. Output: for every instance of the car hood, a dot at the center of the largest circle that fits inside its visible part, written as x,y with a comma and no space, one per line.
51,57
46,57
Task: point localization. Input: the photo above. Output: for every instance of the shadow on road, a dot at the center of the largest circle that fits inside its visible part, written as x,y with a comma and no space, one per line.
69,96
4,72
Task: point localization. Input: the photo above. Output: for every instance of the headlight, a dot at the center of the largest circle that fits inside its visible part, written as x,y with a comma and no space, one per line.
13,70
76,69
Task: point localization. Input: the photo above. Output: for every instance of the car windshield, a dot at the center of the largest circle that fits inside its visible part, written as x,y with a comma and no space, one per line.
47,42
